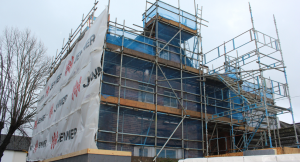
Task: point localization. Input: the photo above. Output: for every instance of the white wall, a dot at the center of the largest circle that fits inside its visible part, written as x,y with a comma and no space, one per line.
7,156
264,158
14,156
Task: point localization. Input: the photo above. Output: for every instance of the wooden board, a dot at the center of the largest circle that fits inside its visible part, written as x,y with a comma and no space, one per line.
145,56
288,150
250,128
164,109
171,22
228,154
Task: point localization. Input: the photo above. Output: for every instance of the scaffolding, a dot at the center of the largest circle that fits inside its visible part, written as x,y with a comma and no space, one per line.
160,98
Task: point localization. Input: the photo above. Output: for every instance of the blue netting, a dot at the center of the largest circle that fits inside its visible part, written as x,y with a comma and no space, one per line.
146,45
171,13
136,132
131,40
248,86
216,94
137,128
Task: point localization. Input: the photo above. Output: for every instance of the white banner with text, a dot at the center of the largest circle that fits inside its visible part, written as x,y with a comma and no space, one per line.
68,107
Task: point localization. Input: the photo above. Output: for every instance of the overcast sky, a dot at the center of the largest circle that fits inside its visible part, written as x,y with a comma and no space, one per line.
52,20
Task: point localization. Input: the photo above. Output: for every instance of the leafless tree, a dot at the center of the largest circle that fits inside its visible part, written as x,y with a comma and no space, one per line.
23,71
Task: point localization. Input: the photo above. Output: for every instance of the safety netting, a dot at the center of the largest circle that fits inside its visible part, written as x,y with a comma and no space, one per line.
136,127
136,133
170,12
252,87
178,50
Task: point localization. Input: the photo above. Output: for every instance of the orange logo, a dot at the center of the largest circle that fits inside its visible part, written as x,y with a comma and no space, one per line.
51,111
47,91
35,124
69,66
36,146
76,88
54,140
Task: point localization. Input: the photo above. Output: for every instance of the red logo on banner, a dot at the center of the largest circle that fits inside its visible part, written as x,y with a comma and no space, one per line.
47,91
35,124
51,111
54,140
69,66
36,146
76,88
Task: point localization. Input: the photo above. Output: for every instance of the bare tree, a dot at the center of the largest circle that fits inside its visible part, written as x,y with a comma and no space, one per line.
23,71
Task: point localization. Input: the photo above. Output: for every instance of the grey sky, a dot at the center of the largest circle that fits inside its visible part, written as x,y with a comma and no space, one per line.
52,20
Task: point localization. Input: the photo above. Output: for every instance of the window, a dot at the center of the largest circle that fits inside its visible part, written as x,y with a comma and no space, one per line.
170,101
144,96
151,152
167,153
143,152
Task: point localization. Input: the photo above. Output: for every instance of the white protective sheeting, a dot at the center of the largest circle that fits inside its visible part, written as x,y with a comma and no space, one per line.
67,119
261,158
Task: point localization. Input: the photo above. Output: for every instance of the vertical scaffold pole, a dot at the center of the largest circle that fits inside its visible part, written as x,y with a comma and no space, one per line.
286,81
200,72
156,74
181,86
120,81
202,87
261,77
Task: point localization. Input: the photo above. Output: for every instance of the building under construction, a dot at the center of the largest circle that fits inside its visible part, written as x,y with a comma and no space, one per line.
162,96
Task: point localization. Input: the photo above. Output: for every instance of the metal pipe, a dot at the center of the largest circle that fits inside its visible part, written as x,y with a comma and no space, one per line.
222,74
169,137
156,74
181,86
287,86
119,96
261,75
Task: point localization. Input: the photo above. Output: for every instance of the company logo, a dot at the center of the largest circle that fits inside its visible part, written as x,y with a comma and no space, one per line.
89,42
41,119
36,146
54,140
51,111
76,88
77,56
53,84
69,65
55,81
47,91
35,124
92,76
68,135
61,102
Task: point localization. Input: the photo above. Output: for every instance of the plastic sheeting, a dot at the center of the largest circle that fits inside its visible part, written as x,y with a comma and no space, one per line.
67,118
265,158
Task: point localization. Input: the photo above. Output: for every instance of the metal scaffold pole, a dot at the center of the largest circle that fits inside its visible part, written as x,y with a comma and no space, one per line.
261,78
286,81
156,74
